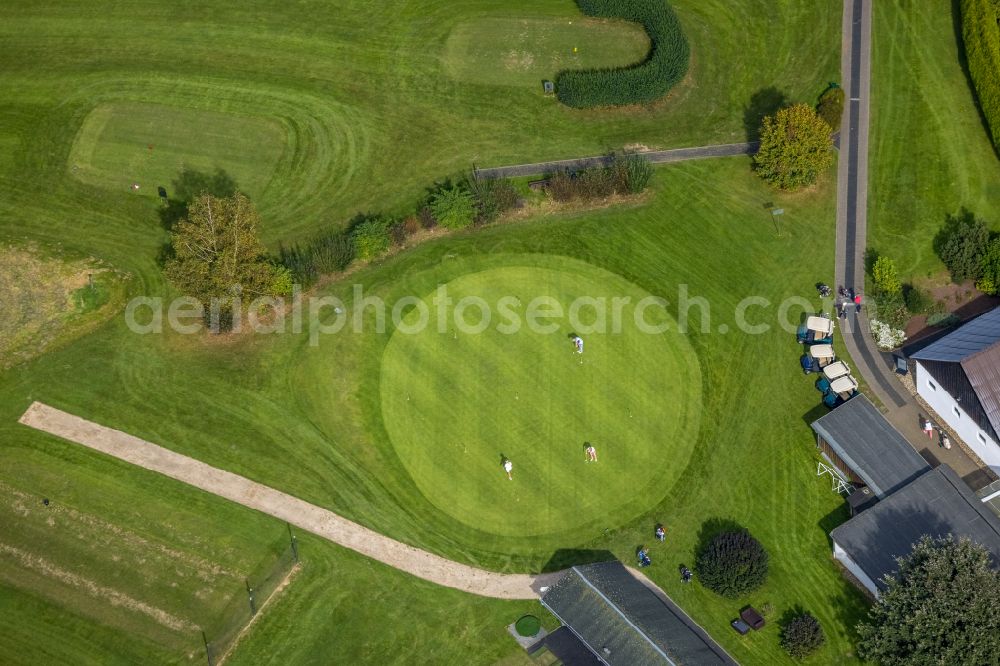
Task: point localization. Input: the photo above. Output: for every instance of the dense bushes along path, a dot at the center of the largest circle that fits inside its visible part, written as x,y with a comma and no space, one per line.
654,156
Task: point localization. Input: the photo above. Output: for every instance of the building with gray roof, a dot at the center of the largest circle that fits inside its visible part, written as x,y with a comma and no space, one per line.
624,622
937,504
959,377
866,449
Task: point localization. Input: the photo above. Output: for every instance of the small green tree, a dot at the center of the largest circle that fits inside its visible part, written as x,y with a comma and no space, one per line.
454,207
370,238
939,608
831,106
961,244
217,252
989,274
795,148
732,564
886,277
802,636
282,281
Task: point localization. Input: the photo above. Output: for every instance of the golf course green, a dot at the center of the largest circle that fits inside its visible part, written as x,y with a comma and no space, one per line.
319,112
459,399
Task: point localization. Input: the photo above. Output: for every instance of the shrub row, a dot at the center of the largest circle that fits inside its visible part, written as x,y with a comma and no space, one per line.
627,174
455,206
371,236
981,36
642,82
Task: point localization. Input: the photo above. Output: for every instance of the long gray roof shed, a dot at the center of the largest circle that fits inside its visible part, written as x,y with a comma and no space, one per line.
625,623
866,442
937,504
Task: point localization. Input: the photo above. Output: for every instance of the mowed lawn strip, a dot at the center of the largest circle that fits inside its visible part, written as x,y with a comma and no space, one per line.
930,152
126,549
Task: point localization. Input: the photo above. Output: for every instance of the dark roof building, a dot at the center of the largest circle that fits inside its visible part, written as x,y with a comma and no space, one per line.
624,622
867,450
938,503
959,377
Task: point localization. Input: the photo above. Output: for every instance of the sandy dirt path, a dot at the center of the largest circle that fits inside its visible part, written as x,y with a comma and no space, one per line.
283,506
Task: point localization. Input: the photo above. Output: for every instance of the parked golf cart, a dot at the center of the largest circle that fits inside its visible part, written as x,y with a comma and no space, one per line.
809,364
835,370
838,391
845,387
823,354
816,331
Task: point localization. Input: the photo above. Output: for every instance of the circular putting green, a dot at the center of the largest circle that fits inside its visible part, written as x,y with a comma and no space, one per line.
457,402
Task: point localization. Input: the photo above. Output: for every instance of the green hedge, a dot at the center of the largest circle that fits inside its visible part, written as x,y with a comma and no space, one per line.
982,49
643,82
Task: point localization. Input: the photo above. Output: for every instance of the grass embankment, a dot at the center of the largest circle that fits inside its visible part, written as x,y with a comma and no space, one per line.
930,153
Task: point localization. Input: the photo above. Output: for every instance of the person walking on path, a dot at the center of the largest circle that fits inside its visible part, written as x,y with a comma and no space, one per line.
507,467
929,428
590,452
857,302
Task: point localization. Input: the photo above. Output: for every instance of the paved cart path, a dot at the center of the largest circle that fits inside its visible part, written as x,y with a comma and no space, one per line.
852,229
283,506
654,156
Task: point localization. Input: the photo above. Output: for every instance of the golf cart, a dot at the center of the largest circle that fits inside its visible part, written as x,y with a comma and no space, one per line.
816,331
823,354
835,370
845,387
838,391
809,364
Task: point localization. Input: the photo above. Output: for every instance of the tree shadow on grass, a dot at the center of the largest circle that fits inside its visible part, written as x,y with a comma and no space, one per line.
565,558
189,185
764,102
713,527
817,412
834,519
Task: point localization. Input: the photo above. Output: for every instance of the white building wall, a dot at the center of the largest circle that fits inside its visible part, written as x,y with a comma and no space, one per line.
841,556
964,426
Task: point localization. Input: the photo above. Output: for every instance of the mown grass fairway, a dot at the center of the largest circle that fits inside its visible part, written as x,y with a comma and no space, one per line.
150,145
309,420
523,52
930,152
119,548
456,402
364,93
370,114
